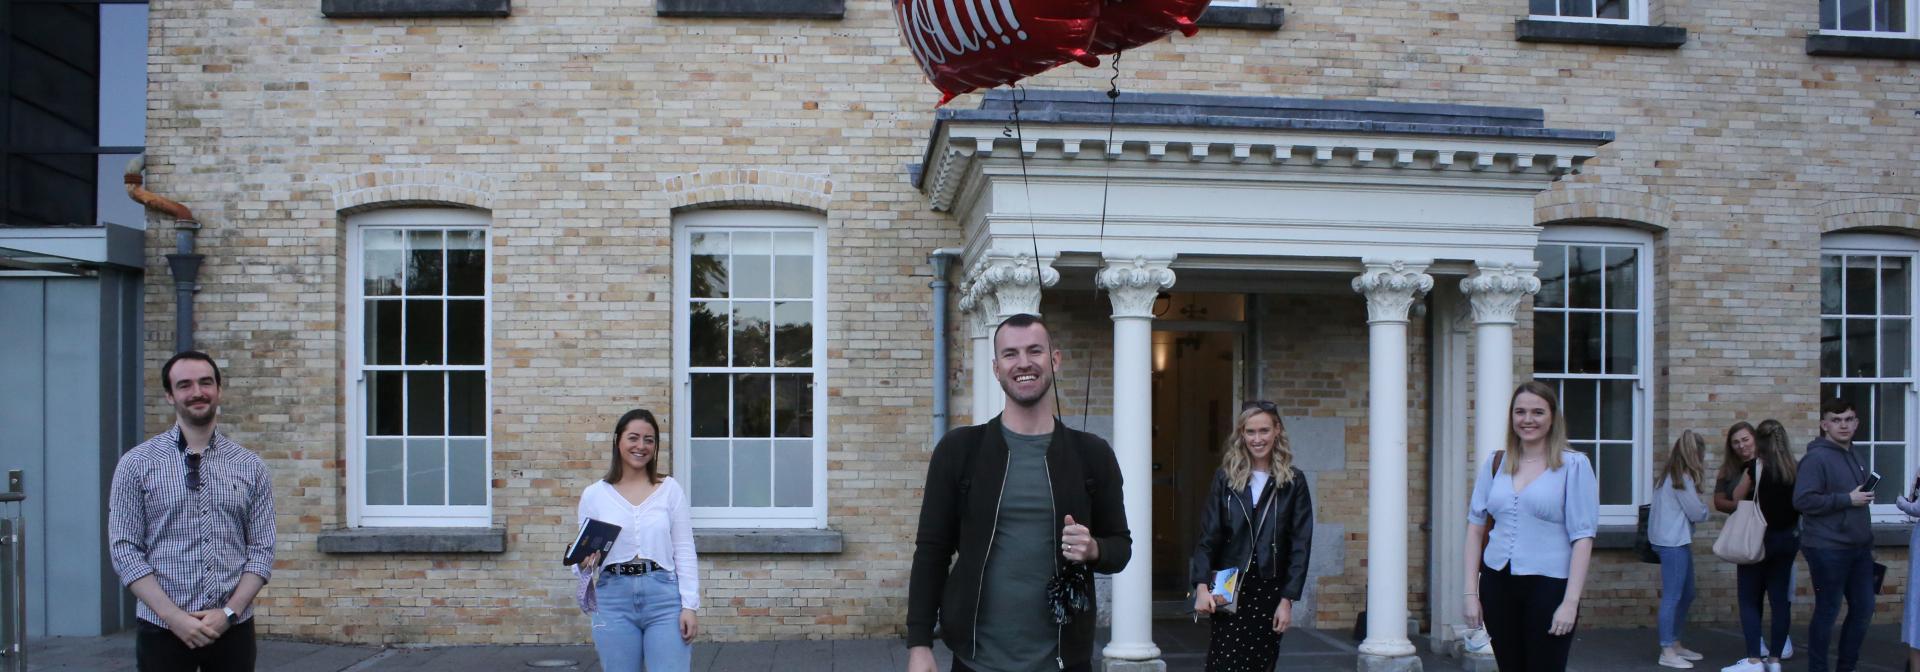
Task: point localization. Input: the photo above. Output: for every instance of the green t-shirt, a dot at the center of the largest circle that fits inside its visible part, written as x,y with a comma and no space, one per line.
1016,631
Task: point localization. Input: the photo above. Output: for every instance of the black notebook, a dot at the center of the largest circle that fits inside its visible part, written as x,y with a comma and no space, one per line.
594,536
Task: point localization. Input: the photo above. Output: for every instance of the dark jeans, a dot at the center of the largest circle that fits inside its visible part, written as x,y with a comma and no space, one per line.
1770,579
1518,611
1083,667
155,649
1839,574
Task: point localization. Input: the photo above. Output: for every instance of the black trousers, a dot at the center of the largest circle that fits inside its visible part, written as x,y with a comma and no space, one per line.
1518,611
1244,641
155,649
1083,667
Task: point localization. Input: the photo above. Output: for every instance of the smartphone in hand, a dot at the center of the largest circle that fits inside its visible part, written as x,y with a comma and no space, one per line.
1873,480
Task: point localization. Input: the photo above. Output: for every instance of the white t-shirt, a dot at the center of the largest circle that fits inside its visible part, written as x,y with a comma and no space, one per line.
1260,479
659,529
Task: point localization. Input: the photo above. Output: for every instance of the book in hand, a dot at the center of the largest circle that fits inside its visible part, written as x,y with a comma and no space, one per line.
1226,584
594,536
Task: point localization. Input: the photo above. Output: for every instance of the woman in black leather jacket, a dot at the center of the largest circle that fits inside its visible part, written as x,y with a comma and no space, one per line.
1258,519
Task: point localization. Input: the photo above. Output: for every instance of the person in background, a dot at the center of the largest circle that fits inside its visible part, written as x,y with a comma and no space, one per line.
646,590
1833,500
1762,457
1910,615
1676,508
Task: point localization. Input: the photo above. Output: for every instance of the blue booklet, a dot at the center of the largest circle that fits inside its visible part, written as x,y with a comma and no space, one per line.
1226,584
594,535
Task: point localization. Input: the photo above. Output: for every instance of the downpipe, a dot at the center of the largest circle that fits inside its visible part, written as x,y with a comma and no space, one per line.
184,263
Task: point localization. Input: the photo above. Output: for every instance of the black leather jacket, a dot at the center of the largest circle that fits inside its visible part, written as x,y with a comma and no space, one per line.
1279,528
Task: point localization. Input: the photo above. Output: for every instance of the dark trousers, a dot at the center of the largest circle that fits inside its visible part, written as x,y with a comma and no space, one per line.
1518,611
1770,578
1083,667
1839,574
155,649
1244,641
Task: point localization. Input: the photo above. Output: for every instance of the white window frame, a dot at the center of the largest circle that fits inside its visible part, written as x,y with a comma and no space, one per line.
1236,3
1911,32
1636,15
1644,406
681,432
1886,245
360,514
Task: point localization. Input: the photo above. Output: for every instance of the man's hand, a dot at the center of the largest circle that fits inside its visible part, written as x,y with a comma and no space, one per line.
214,620
920,659
1283,616
1076,543
189,629
1860,497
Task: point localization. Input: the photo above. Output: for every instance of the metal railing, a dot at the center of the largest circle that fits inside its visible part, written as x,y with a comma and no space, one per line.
13,575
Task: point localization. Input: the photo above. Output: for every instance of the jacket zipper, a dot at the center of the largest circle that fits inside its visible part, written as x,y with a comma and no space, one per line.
1053,509
991,532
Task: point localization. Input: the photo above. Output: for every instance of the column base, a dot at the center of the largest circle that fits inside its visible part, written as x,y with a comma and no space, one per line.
1117,665
1371,663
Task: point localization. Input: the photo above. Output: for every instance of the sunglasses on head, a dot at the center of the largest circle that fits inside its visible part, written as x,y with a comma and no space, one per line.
1261,404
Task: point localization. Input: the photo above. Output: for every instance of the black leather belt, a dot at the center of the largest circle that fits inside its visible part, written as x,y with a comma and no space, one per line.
635,568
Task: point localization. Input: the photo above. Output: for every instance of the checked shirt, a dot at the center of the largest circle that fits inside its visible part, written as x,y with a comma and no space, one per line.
197,543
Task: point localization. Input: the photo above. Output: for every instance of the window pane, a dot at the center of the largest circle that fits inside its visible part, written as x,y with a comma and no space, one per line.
752,405
1856,14
466,331
1830,296
1553,277
1616,473
1543,7
1623,342
1612,9
708,261
385,399
1897,16
467,472
1623,277
753,265
793,265
1578,403
1861,349
384,470
466,403
424,263
1830,348
710,473
793,333
1882,13
707,333
710,403
793,473
1549,342
466,263
382,331
1585,264
1828,14
1889,460
1860,285
1894,344
753,473
751,340
426,472
1889,414
426,403
1616,410
383,267
793,404
423,331
1893,286
1583,343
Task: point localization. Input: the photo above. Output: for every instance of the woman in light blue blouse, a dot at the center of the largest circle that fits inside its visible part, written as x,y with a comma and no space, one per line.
1536,507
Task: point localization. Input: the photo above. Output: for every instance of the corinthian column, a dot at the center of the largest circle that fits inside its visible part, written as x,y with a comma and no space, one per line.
1132,284
1016,280
1495,290
1390,287
981,308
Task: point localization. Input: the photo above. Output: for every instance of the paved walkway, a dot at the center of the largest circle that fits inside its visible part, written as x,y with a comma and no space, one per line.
1183,642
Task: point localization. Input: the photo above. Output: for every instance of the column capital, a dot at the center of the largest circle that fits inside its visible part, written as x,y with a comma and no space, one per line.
1390,286
1133,283
1015,280
1496,289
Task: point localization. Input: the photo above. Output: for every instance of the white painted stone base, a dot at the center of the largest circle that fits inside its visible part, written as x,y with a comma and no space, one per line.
1389,663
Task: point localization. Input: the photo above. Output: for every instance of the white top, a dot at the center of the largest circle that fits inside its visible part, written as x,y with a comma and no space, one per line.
659,529
1259,484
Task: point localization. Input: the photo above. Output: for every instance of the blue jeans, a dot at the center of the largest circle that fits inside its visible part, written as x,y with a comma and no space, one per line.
1771,579
638,621
1676,590
1839,574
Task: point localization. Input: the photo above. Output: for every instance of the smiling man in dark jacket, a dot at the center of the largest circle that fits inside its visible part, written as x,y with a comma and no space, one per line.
1836,535
1023,499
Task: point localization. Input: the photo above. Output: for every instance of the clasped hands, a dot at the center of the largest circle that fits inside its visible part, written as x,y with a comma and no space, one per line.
198,628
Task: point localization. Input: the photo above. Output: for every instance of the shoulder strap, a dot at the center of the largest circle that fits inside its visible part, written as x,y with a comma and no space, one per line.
1759,471
1498,455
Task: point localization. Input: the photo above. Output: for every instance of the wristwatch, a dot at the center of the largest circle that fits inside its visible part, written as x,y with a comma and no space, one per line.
233,619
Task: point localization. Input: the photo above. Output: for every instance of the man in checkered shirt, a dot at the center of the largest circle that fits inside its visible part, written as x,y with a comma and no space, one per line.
190,528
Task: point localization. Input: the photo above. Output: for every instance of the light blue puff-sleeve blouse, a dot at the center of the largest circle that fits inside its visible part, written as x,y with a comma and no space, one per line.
1535,528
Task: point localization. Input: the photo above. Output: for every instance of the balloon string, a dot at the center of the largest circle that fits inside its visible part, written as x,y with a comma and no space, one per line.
1106,183
1033,233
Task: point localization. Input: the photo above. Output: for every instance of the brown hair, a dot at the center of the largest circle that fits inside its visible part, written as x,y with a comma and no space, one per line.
618,469
1556,434
1730,463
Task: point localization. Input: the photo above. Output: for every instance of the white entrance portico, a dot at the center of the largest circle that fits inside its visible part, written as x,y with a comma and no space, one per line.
1389,195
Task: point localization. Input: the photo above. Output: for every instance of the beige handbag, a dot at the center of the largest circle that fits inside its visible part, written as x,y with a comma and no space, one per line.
1743,540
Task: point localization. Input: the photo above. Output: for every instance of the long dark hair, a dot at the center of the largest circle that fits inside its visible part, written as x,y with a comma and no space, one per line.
618,468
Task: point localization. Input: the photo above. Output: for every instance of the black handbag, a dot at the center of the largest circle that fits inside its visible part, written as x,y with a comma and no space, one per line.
1643,547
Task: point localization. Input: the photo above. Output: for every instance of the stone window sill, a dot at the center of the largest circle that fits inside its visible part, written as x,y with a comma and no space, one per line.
1608,34
753,9
414,540
1898,48
1251,18
765,541
390,9
1621,537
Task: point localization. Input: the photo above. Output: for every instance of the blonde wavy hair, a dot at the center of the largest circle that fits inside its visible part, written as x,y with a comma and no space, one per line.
1238,462
1687,459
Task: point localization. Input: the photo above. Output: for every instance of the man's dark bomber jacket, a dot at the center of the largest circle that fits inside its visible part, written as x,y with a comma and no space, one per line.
958,512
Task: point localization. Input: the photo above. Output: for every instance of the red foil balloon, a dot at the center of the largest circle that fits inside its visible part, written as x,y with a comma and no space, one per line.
1125,24
964,45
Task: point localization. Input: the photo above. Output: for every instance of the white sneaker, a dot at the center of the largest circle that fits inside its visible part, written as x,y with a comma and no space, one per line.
1667,660
1786,652
1773,666
1745,665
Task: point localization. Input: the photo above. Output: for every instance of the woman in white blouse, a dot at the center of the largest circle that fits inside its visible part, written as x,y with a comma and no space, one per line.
646,590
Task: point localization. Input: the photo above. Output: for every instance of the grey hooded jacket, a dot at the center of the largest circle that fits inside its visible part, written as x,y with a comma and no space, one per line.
1830,520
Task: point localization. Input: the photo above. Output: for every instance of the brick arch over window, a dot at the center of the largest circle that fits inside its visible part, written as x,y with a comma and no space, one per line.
396,187
749,187
1890,214
1604,205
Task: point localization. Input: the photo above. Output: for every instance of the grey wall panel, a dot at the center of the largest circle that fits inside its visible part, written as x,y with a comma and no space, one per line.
121,394
70,483
23,367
